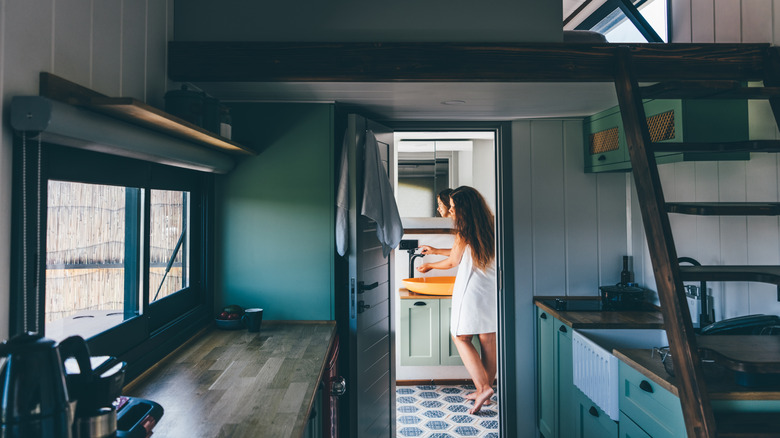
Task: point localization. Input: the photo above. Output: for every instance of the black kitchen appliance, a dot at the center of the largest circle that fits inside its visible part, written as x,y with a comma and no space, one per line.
622,297
95,383
35,398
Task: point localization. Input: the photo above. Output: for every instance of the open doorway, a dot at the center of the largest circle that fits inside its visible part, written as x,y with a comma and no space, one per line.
432,384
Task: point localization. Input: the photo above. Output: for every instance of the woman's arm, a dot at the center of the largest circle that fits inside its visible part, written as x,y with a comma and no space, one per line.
454,256
425,249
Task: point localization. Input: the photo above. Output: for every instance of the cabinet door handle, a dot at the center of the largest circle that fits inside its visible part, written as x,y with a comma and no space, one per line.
543,316
593,411
562,329
420,303
644,385
602,157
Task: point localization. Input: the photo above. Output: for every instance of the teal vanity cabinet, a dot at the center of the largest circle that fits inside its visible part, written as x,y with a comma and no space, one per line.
425,333
671,121
554,376
420,332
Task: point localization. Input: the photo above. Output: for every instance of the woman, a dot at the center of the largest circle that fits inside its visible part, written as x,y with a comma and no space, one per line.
474,303
443,202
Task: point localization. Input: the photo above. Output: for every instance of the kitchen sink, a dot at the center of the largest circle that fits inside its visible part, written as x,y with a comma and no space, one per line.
430,285
595,368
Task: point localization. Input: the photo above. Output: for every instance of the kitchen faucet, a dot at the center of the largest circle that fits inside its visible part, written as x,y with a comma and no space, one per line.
412,256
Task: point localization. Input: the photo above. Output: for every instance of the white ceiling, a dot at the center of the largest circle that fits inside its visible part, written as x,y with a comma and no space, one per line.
423,101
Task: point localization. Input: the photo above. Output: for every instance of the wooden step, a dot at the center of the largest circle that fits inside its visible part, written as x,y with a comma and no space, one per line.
744,425
707,90
757,354
731,146
725,208
758,273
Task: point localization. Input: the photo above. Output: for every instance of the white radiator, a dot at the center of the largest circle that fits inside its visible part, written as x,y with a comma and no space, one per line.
596,373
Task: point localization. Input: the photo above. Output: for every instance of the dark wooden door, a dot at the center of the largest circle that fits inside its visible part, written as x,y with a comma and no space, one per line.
371,385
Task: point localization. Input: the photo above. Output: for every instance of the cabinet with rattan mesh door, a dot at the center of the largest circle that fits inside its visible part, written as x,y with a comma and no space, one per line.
669,121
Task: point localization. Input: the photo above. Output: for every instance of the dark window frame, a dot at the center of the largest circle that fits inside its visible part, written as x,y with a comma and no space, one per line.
143,339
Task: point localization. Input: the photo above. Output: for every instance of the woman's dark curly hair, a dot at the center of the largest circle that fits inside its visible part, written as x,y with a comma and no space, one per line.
475,224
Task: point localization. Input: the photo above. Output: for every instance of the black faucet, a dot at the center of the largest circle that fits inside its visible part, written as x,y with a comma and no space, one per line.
412,256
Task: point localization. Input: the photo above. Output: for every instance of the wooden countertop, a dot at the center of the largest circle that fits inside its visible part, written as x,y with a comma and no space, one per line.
720,382
612,319
406,294
239,384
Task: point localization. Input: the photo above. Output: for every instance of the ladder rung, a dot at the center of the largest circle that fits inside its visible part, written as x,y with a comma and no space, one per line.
707,90
744,424
758,273
726,146
725,208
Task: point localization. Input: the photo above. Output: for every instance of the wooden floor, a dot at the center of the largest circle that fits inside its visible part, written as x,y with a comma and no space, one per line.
239,384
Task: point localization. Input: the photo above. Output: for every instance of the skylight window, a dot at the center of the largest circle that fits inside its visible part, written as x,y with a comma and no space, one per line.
626,21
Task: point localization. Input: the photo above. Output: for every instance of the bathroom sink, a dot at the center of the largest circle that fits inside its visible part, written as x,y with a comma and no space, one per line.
430,285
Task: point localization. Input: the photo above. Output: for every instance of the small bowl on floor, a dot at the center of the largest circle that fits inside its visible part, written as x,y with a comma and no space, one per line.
229,324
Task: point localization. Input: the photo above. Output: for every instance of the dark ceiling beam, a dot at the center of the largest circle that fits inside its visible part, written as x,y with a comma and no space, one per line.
456,62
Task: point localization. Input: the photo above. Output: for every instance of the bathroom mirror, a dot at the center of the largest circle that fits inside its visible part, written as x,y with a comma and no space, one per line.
429,162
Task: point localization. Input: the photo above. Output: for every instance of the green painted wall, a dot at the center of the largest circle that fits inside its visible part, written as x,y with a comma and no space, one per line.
275,213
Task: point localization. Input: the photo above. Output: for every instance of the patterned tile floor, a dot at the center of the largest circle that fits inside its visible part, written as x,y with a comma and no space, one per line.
432,411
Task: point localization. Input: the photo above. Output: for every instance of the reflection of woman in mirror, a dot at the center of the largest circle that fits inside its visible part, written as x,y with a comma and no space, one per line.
474,300
443,201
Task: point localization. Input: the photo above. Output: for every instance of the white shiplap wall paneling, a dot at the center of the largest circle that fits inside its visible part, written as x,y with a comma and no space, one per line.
702,24
581,225
756,21
156,53
28,46
680,12
547,186
611,226
134,49
522,212
72,38
728,28
107,47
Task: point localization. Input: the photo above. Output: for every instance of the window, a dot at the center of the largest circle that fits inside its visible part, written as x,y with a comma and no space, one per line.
628,21
124,250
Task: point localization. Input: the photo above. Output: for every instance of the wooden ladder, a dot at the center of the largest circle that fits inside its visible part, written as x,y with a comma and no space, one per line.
685,347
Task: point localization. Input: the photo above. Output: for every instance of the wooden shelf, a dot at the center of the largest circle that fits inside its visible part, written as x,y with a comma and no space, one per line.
136,112
725,208
139,113
744,353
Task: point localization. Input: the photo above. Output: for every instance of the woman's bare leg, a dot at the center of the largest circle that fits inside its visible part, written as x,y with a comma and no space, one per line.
487,342
475,368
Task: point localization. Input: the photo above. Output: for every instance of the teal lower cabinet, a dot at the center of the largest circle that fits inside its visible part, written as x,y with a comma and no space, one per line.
590,421
425,333
651,407
556,399
629,429
649,410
